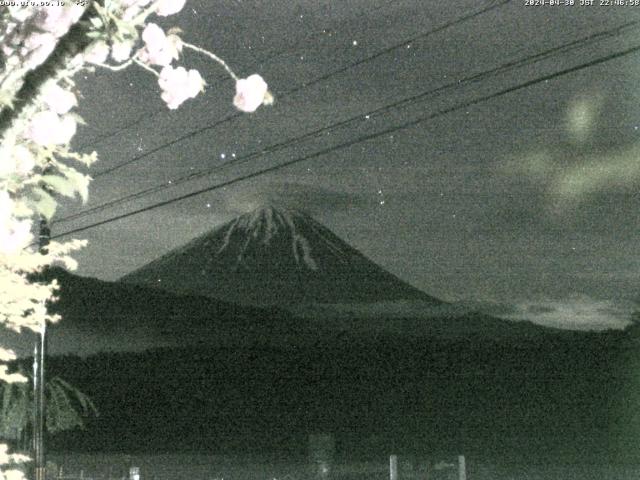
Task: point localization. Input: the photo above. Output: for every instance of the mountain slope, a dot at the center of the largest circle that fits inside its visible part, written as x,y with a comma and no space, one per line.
99,315
275,257
114,316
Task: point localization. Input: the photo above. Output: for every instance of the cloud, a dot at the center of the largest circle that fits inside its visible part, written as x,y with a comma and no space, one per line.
569,176
311,198
582,113
575,313
583,163
557,190
598,173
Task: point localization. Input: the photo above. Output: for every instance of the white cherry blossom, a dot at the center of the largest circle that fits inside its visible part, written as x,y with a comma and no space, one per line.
58,20
14,234
38,47
6,457
178,85
49,128
121,51
251,92
23,159
15,159
97,53
6,355
159,48
165,8
18,12
58,99
14,474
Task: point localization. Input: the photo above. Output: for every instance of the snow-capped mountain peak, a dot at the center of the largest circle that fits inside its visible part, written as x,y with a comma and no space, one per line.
274,256
266,225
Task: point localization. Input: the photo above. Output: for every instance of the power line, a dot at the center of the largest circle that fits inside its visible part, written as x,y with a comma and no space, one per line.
285,144
220,79
582,42
360,139
462,19
235,115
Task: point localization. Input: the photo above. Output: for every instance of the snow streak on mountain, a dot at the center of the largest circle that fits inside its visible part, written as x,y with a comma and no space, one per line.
275,257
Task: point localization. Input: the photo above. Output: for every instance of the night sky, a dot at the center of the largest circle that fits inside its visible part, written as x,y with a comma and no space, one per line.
526,203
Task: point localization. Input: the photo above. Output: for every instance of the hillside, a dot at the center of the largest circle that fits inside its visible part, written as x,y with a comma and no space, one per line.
537,397
116,316
102,316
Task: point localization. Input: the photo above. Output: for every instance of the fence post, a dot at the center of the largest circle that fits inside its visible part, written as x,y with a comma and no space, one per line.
462,468
393,467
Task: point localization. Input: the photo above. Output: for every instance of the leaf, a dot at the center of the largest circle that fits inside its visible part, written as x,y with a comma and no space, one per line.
80,183
14,410
63,186
65,407
60,413
45,205
96,22
86,404
131,30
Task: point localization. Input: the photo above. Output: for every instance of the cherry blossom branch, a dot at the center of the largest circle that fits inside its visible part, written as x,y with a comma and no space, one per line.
213,57
115,68
128,63
145,66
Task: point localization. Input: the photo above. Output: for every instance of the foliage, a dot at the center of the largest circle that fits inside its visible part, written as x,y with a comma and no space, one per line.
42,48
66,406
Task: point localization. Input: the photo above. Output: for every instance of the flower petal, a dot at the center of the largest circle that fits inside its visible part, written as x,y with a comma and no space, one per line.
251,92
165,8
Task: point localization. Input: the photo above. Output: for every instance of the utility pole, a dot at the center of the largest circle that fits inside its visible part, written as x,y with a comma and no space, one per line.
39,352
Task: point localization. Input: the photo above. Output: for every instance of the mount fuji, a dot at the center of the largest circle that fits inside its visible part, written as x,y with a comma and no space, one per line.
274,256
